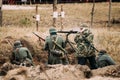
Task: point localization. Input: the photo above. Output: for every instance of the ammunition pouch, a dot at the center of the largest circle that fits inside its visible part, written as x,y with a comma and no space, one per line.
15,62
56,53
26,62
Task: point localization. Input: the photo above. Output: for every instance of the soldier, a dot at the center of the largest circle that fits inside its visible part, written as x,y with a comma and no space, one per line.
104,59
21,55
55,55
84,41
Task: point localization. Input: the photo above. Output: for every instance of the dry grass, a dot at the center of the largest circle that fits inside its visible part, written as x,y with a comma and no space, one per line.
20,25
108,40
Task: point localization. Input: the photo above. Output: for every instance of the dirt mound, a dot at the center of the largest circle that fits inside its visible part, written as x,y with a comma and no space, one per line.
7,43
109,71
62,72
49,72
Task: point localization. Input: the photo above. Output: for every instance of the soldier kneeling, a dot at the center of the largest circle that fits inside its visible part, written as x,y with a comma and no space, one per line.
21,55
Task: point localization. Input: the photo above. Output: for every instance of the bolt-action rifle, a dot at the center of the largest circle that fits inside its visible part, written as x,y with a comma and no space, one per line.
40,38
86,40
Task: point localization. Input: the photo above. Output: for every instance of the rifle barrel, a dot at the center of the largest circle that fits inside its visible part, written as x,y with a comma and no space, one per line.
67,31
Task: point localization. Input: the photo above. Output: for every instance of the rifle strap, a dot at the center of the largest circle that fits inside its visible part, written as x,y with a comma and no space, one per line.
54,44
16,54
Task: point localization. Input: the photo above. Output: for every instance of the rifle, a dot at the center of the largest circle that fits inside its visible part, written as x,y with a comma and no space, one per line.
40,38
62,50
89,43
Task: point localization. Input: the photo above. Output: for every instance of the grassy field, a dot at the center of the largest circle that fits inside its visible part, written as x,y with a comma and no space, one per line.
19,24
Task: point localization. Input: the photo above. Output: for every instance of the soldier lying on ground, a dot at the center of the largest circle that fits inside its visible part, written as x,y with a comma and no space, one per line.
104,59
21,55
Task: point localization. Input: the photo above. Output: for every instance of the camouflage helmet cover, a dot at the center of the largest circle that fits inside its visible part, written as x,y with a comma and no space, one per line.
84,25
52,30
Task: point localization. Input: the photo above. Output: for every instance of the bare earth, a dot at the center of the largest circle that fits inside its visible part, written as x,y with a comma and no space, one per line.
61,72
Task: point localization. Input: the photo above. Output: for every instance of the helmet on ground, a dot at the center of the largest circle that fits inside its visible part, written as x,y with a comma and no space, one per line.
52,31
17,44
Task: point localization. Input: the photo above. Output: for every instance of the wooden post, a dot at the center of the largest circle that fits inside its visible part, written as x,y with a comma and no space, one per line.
30,2
92,13
54,10
1,13
61,17
109,13
36,16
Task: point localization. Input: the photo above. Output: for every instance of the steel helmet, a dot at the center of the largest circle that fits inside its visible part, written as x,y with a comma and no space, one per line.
52,31
17,44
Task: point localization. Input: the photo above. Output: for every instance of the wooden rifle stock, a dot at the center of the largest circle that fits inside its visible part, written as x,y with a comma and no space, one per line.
40,38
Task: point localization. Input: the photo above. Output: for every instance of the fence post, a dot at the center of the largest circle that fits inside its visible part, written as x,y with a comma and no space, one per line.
36,16
55,14
62,14
92,13
109,13
1,13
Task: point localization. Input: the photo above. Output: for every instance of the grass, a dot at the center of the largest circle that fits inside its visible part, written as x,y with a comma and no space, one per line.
19,24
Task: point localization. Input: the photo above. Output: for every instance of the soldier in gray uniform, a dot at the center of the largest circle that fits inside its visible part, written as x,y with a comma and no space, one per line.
84,41
104,59
21,55
55,55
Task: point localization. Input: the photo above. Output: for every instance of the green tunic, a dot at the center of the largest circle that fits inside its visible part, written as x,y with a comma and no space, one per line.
49,45
104,60
21,54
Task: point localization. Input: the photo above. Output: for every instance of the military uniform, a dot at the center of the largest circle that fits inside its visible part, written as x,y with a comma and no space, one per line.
54,58
104,59
21,55
84,41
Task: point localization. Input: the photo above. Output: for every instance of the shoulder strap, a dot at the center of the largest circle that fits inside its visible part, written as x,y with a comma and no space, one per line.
54,44
16,53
